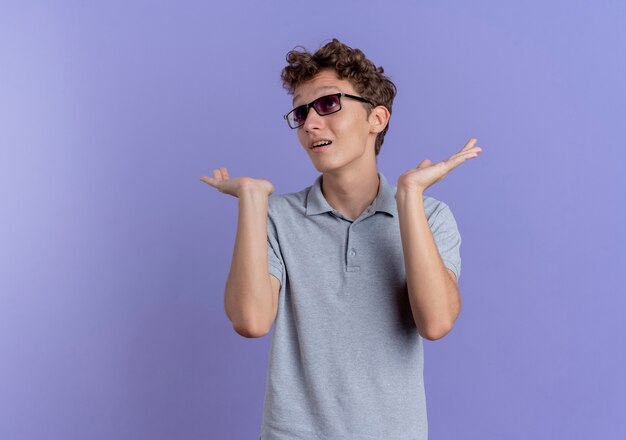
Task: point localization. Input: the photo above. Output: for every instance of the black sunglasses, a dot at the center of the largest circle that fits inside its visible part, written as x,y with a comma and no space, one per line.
325,105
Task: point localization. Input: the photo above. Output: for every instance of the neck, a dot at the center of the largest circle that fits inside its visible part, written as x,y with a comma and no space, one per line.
351,192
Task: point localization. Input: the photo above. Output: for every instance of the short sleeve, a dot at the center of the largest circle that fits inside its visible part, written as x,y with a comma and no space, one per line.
447,238
274,256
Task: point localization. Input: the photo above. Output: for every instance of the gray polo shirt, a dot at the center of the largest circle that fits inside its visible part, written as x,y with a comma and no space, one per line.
346,360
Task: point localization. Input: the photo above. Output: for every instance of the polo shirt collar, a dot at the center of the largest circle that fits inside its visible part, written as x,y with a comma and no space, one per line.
385,201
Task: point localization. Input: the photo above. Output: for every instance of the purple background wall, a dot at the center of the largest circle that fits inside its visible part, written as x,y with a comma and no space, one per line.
113,254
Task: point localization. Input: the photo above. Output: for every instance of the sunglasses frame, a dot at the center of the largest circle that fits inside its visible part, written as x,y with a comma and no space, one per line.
307,107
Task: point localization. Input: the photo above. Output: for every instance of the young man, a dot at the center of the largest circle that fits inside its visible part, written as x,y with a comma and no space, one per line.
359,271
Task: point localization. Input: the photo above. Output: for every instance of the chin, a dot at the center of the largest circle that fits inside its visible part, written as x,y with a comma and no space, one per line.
325,166
321,167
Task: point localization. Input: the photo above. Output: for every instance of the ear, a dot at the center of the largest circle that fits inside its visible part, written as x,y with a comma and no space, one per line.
378,119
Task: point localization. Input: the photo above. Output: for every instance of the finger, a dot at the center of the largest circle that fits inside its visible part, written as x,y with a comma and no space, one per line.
469,144
425,164
472,151
224,172
217,175
207,180
459,158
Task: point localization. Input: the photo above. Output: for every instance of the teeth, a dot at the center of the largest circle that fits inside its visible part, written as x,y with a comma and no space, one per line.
320,143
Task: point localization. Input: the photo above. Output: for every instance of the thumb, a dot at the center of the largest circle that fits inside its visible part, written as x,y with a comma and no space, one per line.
425,164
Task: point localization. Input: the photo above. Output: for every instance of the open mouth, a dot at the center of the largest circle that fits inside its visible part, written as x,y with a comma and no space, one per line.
321,144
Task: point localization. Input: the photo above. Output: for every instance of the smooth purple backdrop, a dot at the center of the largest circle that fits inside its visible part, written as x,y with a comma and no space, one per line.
114,255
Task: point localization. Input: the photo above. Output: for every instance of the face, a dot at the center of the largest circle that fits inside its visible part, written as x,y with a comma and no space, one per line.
350,130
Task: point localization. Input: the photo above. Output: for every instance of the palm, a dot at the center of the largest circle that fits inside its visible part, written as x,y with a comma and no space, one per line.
233,186
427,173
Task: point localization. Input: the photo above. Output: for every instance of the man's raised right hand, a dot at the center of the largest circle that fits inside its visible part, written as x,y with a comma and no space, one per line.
235,186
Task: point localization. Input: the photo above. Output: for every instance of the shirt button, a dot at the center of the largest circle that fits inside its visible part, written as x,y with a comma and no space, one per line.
352,252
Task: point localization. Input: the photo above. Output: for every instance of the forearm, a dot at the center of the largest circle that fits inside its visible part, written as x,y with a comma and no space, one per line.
433,295
247,297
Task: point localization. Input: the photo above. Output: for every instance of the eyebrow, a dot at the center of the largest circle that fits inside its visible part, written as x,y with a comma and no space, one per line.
316,90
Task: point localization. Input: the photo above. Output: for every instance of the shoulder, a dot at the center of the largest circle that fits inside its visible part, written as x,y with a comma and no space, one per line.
294,203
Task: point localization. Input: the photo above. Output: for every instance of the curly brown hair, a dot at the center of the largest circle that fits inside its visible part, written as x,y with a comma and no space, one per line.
352,64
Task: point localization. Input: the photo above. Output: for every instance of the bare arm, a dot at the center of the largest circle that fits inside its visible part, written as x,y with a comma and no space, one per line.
249,298
251,293
433,292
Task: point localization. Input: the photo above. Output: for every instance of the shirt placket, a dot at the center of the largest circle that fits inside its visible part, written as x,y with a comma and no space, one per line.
352,250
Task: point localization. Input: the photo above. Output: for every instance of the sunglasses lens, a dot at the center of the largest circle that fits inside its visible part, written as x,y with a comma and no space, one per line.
327,104
323,106
297,116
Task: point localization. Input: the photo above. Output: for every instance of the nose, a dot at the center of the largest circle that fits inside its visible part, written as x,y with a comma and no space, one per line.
312,121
